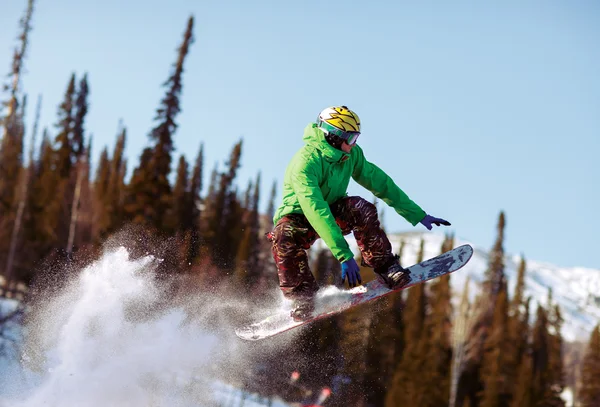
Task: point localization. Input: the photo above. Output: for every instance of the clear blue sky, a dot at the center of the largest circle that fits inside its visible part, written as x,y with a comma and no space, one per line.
472,107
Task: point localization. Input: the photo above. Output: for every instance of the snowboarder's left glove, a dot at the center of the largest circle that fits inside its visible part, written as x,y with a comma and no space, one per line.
351,269
428,220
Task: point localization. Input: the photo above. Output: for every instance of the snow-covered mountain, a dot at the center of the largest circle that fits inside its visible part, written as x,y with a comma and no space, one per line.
576,290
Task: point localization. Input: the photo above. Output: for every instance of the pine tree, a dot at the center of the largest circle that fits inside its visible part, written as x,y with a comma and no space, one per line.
231,235
223,231
522,396
207,218
180,214
178,220
495,392
385,344
17,63
384,349
212,186
80,111
183,218
197,175
11,142
39,226
109,186
271,207
81,174
11,163
519,315
12,183
589,393
85,216
555,370
60,187
102,173
139,202
247,197
540,356
248,251
101,193
65,153
496,280
150,191
406,388
11,222
436,339
70,159
115,193
195,202
55,196
520,363
268,272
493,285
20,246
354,330
253,263
461,327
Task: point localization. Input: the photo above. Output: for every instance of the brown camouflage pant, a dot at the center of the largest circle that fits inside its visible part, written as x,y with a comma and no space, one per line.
293,235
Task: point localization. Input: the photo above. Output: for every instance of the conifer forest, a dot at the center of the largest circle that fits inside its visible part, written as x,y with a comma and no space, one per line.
424,347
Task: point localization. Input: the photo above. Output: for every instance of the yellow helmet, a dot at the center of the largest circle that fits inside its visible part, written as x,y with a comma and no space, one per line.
341,118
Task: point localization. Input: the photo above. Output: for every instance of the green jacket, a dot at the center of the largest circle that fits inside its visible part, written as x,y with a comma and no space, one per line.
319,174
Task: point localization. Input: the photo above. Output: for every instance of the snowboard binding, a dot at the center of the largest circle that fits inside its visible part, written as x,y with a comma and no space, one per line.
393,275
302,309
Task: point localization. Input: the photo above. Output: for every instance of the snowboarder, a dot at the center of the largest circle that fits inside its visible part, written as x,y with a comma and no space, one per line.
315,204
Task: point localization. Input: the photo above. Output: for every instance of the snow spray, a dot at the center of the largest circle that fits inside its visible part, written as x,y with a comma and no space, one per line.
109,337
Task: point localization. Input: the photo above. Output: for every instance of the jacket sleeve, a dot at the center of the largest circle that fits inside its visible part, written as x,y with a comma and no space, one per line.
383,187
305,183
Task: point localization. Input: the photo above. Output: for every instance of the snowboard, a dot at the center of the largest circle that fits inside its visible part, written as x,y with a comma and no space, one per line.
331,300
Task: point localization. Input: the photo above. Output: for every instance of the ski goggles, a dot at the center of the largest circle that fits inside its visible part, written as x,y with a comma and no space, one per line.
349,137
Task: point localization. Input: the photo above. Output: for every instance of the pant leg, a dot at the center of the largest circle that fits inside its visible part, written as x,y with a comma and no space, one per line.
290,239
358,215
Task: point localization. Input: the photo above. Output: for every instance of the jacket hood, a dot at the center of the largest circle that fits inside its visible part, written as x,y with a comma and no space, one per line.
314,137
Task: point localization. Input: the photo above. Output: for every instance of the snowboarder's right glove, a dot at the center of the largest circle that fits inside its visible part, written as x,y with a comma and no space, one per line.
352,271
428,220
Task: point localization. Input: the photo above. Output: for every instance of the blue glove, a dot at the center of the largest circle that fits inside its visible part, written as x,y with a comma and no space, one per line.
428,220
351,269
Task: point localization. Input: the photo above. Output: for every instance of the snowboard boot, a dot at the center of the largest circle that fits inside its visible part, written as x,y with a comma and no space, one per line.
302,308
393,274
